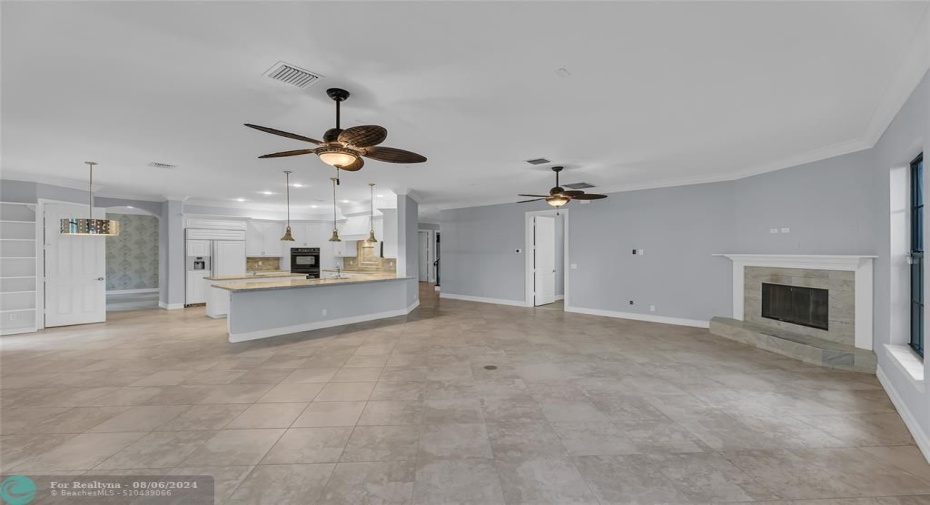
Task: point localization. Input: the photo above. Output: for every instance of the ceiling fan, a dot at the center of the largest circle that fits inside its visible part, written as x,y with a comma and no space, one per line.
558,196
344,149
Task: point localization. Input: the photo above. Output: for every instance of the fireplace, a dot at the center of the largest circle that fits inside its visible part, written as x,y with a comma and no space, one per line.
796,304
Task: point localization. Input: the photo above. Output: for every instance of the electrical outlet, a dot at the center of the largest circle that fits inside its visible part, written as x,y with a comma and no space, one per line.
786,230
634,251
574,266
324,312
641,252
773,230
652,308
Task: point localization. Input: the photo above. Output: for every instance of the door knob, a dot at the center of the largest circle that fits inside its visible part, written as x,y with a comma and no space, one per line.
100,278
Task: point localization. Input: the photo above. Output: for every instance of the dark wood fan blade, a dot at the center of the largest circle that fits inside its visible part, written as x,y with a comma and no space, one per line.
533,200
283,134
355,165
572,193
589,196
282,154
535,196
363,136
392,155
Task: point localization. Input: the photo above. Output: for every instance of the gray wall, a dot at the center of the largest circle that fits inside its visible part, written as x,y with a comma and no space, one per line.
678,229
478,251
132,256
830,207
408,249
559,255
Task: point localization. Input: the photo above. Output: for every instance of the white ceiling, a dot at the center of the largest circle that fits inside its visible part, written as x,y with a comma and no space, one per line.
659,93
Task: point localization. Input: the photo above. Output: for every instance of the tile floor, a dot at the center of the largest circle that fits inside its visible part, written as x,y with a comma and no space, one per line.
580,410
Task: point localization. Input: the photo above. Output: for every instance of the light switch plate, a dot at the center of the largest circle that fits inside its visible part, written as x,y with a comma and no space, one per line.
574,266
773,230
786,230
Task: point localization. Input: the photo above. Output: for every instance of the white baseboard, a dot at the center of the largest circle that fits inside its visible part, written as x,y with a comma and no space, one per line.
696,323
132,291
559,297
498,301
923,442
287,330
170,306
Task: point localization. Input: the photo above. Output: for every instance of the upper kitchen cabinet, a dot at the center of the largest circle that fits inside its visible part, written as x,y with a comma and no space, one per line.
263,238
345,249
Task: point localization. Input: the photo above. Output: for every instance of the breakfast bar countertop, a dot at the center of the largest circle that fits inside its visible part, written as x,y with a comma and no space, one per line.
308,283
257,275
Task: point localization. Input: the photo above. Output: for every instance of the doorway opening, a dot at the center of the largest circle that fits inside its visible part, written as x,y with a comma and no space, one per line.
427,256
132,261
546,259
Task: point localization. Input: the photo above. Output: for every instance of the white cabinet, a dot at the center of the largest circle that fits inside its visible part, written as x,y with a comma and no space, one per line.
198,248
345,249
196,287
273,233
263,238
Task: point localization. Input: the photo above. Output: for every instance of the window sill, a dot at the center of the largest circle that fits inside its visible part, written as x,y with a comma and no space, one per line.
908,362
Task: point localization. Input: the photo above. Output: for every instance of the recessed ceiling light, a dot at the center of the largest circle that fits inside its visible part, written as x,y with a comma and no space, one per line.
313,206
130,207
380,196
267,192
240,199
297,185
344,201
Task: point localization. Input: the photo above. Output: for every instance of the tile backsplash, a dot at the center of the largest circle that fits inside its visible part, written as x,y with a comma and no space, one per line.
262,264
366,260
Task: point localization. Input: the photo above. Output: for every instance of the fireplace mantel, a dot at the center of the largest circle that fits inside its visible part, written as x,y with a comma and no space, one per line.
860,264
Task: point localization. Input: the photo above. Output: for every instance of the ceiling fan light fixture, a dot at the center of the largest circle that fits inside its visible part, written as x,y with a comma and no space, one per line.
338,157
89,226
557,200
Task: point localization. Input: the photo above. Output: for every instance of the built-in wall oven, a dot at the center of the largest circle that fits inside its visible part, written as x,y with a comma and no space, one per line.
306,260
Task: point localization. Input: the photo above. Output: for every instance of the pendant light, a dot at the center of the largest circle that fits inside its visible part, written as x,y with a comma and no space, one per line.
371,240
287,191
89,225
335,237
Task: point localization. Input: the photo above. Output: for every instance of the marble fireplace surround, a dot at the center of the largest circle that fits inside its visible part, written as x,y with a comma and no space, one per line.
861,266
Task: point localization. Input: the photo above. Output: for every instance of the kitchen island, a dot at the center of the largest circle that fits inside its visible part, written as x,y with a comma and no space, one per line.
281,307
218,299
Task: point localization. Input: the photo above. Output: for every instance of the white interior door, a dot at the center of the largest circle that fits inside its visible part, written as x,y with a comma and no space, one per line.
544,260
424,256
75,270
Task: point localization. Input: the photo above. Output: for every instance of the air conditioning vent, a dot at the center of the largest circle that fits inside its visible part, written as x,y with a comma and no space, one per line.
166,166
538,161
293,75
578,185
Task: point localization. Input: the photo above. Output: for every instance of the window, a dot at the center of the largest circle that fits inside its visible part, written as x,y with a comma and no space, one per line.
916,255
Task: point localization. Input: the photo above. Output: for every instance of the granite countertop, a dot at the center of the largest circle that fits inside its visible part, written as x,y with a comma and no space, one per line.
307,283
259,275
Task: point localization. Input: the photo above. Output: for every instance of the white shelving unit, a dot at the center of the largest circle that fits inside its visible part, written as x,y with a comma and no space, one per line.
18,280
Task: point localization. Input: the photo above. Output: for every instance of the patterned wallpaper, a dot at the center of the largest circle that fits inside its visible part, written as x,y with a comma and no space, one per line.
132,256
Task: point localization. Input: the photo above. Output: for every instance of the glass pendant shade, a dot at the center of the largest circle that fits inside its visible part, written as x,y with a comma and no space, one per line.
90,226
287,190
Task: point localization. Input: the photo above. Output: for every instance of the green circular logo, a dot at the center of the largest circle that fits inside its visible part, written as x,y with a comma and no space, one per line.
17,490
